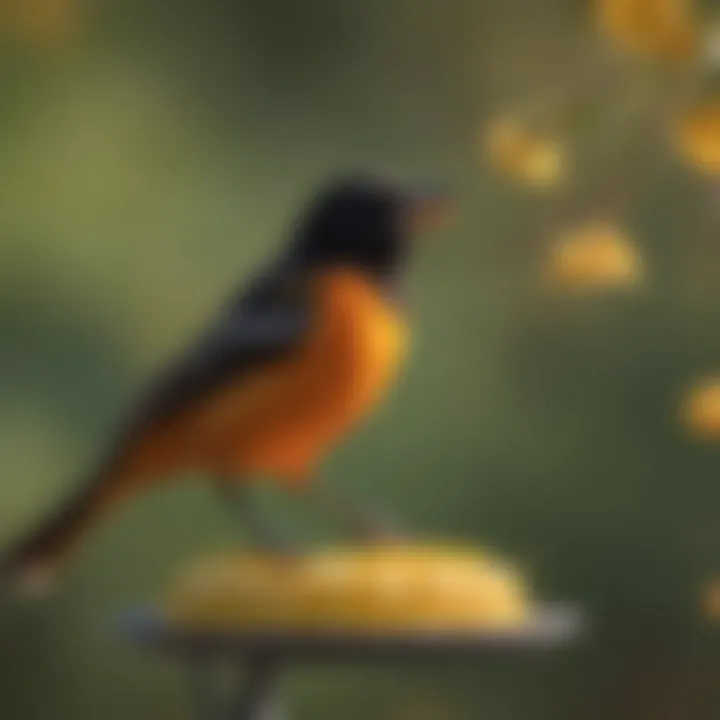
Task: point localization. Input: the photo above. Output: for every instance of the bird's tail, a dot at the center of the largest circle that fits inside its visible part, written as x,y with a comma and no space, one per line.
32,565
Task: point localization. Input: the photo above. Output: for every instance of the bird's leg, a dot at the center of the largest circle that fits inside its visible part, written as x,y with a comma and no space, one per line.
265,536
367,524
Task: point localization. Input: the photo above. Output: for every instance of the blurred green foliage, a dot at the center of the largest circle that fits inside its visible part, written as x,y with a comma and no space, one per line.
149,167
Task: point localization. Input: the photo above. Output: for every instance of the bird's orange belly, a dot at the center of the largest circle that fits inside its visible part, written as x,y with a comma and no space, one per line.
285,418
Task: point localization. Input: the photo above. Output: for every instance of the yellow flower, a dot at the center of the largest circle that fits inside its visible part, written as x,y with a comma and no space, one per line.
594,255
701,409
524,155
698,136
663,28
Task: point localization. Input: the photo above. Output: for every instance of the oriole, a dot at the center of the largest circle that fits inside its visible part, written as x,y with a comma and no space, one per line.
288,369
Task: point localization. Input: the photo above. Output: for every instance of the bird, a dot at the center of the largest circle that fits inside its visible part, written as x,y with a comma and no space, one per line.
288,368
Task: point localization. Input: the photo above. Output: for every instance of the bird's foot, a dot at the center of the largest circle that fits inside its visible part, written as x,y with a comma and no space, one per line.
275,545
369,527
265,537
379,531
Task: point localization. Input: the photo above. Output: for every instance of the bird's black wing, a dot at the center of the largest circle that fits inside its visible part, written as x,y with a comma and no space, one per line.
265,324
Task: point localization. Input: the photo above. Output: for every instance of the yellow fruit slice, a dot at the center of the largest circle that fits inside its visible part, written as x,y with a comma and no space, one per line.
701,409
594,255
662,28
390,589
524,155
698,136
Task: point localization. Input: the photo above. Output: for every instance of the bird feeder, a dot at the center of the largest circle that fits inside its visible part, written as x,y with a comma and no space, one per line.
382,605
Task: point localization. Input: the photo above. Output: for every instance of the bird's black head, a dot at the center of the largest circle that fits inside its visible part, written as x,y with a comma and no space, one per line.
370,224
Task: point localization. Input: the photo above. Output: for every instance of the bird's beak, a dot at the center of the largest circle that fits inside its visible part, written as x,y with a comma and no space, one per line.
430,209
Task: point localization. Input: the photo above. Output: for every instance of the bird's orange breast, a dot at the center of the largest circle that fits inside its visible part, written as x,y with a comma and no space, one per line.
283,419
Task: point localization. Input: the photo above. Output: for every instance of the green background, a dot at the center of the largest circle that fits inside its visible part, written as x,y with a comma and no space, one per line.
147,168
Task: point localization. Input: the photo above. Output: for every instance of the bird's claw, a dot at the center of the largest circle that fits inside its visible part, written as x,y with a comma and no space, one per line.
380,532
